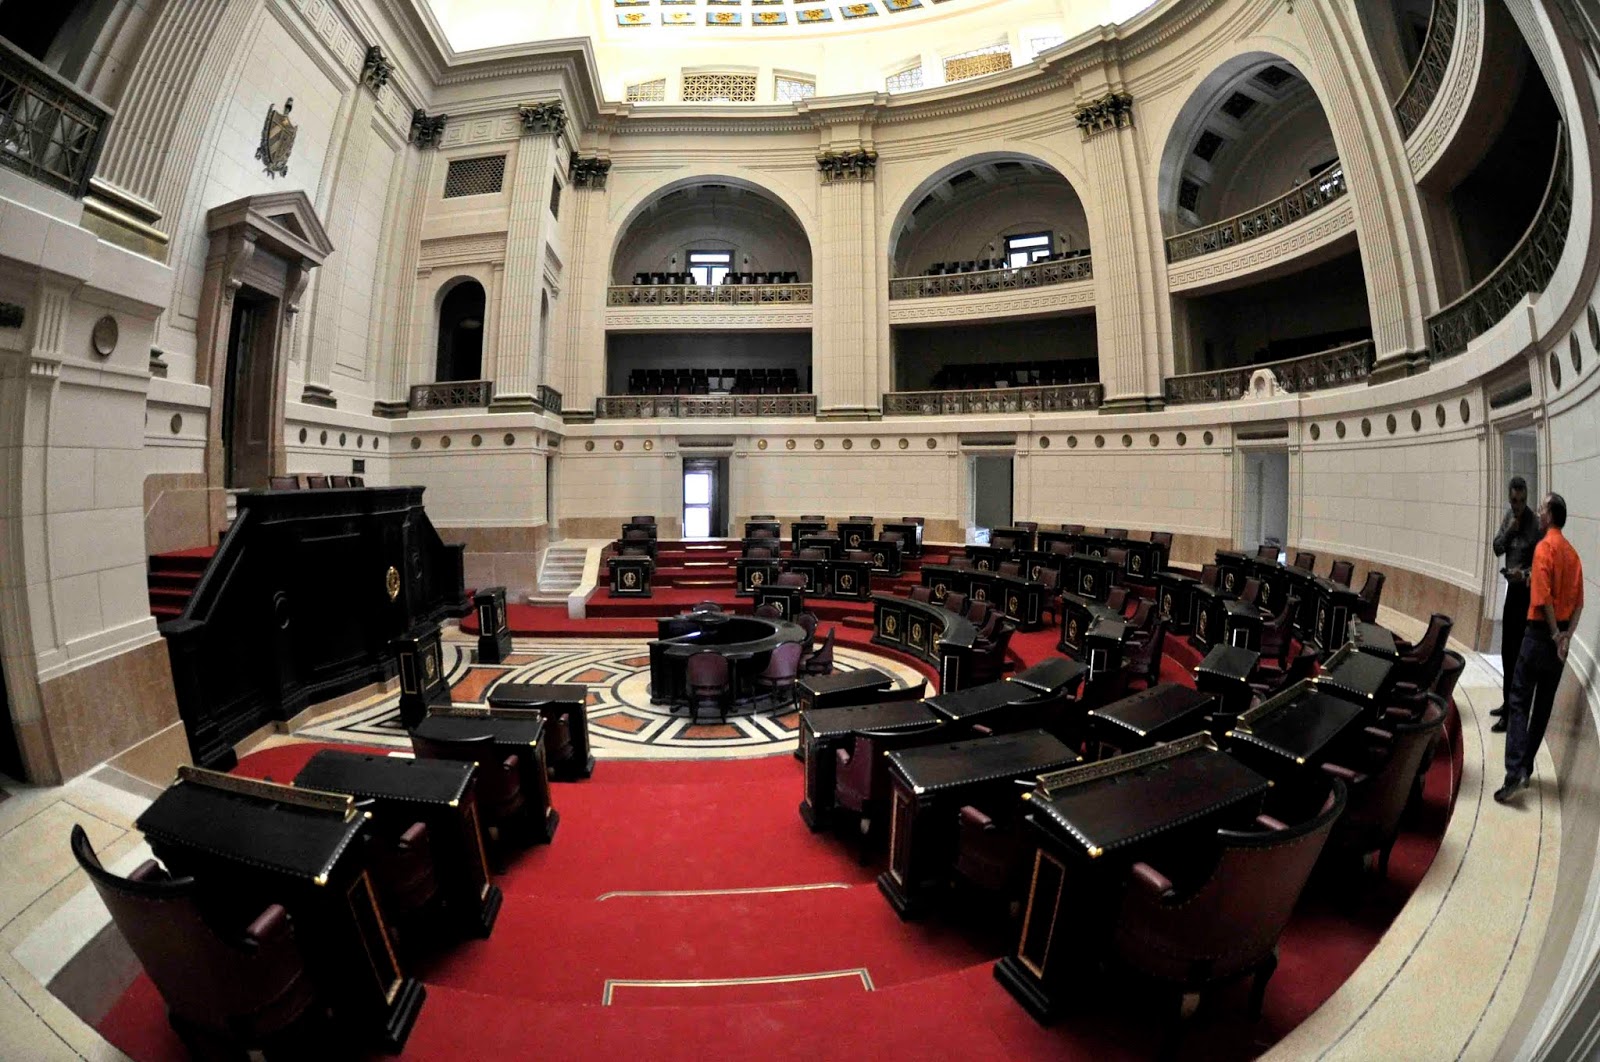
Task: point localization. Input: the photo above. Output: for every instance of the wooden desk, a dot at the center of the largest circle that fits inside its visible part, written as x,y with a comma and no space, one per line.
800,529
1226,672
1164,712
1356,676
249,844
929,785
1056,676
510,732
1091,576
746,642
630,575
1078,614
991,705
400,791
790,601
928,632
912,534
1088,824
1373,639
1336,607
833,578
824,731
1290,735
494,637
750,575
987,558
1175,600
855,534
841,688
1233,567
565,710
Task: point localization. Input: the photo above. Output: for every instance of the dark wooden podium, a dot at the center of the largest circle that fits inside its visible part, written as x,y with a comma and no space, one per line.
422,681
510,731
565,710
494,636
248,844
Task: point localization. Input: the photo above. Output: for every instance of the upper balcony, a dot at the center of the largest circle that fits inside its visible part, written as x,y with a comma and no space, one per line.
1062,283
652,307
1279,228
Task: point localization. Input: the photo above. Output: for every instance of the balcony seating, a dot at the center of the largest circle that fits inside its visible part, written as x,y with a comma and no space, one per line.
228,989
1371,593
973,377
1194,935
1381,783
1341,572
702,381
708,680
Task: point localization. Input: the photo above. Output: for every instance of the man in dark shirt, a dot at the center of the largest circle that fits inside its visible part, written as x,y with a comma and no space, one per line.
1519,534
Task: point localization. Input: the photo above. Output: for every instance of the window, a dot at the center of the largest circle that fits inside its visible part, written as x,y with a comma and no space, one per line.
555,197
1045,42
647,91
977,62
710,268
1027,249
719,88
795,88
481,176
905,80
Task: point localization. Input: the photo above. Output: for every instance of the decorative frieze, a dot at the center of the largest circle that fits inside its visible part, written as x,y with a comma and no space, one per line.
858,165
588,171
427,130
547,117
702,407
1051,398
376,70
1111,111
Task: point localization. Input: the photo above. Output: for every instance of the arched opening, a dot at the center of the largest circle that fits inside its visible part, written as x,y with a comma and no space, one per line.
460,351
992,222
543,367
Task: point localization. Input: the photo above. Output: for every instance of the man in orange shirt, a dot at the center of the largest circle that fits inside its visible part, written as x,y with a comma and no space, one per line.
1556,603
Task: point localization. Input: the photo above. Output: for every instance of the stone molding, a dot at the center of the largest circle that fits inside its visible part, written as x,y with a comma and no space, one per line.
547,117
376,70
860,164
1297,237
1110,112
992,304
427,130
588,171
706,318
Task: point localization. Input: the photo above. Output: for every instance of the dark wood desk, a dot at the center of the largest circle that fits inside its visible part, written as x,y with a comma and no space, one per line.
1223,620
746,641
995,705
928,632
827,542
1015,539
1164,712
565,709
510,731
1356,676
1055,676
1226,672
987,558
800,529
1233,568
249,844
1373,639
751,574
630,575
494,637
841,688
1078,614
1090,576
1023,600
824,731
929,785
1292,733
400,791
790,601
912,533
856,534
1175,600
1088,824
753,529
1336,606
833,578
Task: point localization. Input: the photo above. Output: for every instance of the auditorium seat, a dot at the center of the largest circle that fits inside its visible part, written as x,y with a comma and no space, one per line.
1305,561
339,481
1381,781
956,603
1277,636
1116,532
1050,579
821,661
283,482
1141,662
769,611
402,872
1341,572
923,594
707,678
1371,593
1117,599
1072,529
229,985
1419,664
316,482
501,802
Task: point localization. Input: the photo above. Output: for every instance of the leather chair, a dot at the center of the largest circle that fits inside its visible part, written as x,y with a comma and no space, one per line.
783,669
962,562
228,989
1208,575
821,661
1143,618
339,481
923,594
1117,599
812,553
1193,935
316,482
790,579
358,481
759,553
1381,782
1267,552
1012,568
501,803
1419,664
990,855
815,518
858,555
999,541
709,684
705,606
645,519
1060,548
763,532
1250,591
989,656
1072,529
283,482
1026,525
1050,579
1341,572
1141,662
763,516
1119,560
808,623
769,611
1116,532
1370,594
402,872
863,519
1305,561
1277,637
1303,666
1162,539
978,613
955,602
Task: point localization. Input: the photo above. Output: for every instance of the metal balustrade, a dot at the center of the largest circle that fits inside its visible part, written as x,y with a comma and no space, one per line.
549,398
1427,77
49,130
1050,398
1338,367
452,394
702,407
1525,270
1303,199
1037,275
704,295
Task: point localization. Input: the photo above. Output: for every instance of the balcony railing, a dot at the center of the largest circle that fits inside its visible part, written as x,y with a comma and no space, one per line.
1037,275
703,407
704,295
49,131
1525,270
1051,398
1338,367
549,398
454,394
1306,198
1428,75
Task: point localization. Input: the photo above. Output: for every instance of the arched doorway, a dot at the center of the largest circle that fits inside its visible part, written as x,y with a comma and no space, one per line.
459,354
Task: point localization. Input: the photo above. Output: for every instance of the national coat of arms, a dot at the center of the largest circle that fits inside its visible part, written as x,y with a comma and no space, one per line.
277,140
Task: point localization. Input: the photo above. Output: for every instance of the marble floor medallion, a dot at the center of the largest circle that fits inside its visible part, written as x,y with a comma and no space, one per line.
623,724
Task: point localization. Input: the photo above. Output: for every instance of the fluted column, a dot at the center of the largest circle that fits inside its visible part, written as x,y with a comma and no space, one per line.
845,282
518,372
1132,322
577,353
400,346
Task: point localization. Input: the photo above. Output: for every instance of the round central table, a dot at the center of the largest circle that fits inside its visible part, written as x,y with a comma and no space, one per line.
746,642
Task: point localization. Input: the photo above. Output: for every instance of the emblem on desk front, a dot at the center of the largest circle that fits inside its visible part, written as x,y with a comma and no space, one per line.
847,581
1072,632
430,667
1088,584
855,539
630,579
1013,606
979,594
1136,563
1227,581
1166,606
940,591
889,625
879,561
984,564
1200,630
500,615
391,582
758,578
277,139
918,635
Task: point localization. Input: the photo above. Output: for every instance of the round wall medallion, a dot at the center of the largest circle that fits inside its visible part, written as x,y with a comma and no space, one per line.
616,444
1594,329
1099,440
477,440
1466,411
1183,438
817,444
877,444
1155,440
1072,442
761,444
1338,429
1127,440
1390,423
342,438
1555,371
788,444
303,434
1316,432
444,442
1208,438
416,443
847,444
649,444
176,423
904,443
588,444
508,439
1366,427
1577,353
361,442
933,444
1439,415
1416,420
324,438
104,336
1044,442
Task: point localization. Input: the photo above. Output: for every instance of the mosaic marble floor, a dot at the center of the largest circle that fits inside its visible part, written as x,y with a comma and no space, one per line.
623,724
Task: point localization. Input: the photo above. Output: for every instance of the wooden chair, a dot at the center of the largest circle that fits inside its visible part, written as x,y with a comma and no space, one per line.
283,482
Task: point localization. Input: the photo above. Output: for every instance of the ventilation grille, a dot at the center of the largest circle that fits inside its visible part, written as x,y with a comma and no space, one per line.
905,80
483,176
794,88
715,88
978,62
648,91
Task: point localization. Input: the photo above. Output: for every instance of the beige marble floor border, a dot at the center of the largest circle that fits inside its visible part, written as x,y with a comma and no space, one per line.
1443,983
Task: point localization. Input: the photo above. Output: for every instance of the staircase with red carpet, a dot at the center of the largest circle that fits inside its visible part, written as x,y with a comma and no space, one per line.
173,578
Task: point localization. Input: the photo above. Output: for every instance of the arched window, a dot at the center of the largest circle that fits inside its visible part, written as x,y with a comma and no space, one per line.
460,354
541,370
